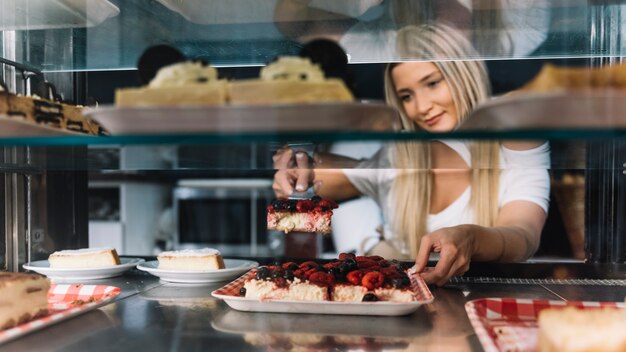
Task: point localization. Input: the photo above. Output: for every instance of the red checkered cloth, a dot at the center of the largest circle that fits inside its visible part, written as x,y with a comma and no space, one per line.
64,301
232,289
510,324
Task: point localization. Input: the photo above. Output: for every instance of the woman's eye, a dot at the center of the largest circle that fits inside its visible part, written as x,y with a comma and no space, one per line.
405,98
433,84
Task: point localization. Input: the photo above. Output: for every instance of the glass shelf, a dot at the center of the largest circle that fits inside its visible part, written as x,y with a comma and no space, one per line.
227,33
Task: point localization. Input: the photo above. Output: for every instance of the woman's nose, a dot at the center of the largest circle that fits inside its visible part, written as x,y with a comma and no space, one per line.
423,105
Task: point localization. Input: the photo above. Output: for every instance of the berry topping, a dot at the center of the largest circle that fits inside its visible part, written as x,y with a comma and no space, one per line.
344,256
316,199
305,205
288,275
262,273
370,297
322,278
373,280
242,291
290,266
308,265
354,277
277,273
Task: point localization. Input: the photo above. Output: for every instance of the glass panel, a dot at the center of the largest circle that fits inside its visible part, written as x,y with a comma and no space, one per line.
60,35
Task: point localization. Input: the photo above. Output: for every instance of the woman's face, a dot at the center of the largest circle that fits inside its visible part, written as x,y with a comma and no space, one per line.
425,96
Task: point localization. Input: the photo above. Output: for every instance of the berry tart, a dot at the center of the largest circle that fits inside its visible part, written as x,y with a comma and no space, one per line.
305,215
349,279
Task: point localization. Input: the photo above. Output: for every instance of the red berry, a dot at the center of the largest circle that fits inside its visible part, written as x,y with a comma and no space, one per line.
322,278
354,277
344,256
308,265
373,280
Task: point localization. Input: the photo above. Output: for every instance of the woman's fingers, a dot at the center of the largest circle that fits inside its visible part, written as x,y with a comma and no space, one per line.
304,179
426,245
283,159
440,274
283,183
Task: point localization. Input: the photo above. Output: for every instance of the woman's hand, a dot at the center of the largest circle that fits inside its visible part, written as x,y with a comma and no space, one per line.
294,172
455,246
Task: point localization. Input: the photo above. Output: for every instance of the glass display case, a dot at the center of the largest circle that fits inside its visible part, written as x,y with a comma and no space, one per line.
187,177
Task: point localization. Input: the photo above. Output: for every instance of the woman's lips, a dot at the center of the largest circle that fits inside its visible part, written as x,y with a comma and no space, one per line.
433,120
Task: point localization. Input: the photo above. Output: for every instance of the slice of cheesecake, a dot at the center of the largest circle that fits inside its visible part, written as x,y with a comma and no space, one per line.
312,215
23,297
191,259
84,258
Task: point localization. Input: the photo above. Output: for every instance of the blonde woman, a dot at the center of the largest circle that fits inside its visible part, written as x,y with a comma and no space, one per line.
467,200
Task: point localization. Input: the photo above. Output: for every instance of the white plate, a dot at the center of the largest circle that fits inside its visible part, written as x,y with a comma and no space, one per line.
233,269
229,294
73,274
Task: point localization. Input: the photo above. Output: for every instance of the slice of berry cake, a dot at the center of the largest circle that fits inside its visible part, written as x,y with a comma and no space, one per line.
305,215
349,279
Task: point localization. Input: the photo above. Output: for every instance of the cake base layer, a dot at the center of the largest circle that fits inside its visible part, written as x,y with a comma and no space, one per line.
202,94
296,290
84,258
197,263
23,297
300,222
260,92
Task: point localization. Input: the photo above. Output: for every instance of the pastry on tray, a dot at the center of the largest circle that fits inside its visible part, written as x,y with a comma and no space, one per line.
304,215
46,112
289,80
348,279
554,78
188,83
574,329
191,259
84,258
23,297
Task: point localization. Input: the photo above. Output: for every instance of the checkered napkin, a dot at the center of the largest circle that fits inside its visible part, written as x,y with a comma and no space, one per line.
232,289
510,324
64,301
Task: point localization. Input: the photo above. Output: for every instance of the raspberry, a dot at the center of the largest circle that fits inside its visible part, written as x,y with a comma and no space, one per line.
290,266
373,280
322,278
354,277
308,265
305,205
344,256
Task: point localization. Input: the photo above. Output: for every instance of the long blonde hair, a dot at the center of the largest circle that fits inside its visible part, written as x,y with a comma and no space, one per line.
469,86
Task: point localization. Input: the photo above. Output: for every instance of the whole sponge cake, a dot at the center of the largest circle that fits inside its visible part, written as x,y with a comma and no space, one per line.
576,330
187,83
349,279
191,259
23,297
306,215
84,258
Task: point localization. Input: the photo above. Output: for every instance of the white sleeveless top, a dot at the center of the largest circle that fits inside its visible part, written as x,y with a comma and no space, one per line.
524,177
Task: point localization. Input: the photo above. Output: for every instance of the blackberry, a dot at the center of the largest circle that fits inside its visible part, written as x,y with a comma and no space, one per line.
351,264
316,199
277,273
262,273
277,262
370,297
337,273
288,275
278,204
291,205
242,291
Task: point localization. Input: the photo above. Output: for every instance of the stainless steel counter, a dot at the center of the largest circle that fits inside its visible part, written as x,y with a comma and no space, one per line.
154,316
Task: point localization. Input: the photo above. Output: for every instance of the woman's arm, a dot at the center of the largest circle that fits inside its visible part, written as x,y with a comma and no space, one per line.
515,237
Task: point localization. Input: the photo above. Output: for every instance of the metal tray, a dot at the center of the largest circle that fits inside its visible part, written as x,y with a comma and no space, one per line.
597,109
343,117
